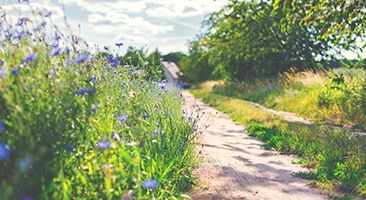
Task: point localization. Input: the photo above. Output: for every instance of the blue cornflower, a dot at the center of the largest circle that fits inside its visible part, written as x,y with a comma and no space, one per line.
150,184
25,163
157,132
181,150
162,86
29,58
19,35
116,136
122,118
94,108
54,44
70,62
135,74
82,58
2,126
56,51
4,152
8,35
67,51
3,72
21,21
15,71
27,198
15,42
69,148
57,37
1,63
104,145
115,63
48,14
110,58
84,91
119,44
42,24
93,78
146,115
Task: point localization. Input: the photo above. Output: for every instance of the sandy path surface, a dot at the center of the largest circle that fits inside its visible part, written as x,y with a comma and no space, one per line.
234,166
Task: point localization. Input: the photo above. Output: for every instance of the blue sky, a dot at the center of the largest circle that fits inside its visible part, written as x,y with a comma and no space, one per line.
163,24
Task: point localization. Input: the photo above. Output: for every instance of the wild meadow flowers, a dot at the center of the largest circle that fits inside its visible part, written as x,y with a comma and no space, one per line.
76,124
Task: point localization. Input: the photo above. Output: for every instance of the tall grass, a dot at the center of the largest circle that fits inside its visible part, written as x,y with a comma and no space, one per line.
79,125
333,96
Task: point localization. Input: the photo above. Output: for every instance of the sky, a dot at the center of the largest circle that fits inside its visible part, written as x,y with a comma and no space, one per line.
164,24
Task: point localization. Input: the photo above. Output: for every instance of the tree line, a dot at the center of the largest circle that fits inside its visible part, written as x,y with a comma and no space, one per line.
263,38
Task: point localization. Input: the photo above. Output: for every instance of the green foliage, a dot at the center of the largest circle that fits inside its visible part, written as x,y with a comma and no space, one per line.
56,114
341,23
174,56
252,39
346,94
195,67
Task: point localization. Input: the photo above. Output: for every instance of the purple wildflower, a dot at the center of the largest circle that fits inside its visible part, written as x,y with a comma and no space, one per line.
15,42
110,58
82,58
29,58
162,86
22,20
116,136
2,126
122,118
115,63
27,198
42,24
119,44
19,35
4,152
56,51
157,132
150,184
8,35
54,43
3,72
57,37
69,148
67,51
94,108
1,63
146,115
84,91
25,163
48,14
93,78
15,71
104,145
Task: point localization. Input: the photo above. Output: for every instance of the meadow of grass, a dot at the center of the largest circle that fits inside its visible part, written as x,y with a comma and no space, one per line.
81,125
337,159
333,96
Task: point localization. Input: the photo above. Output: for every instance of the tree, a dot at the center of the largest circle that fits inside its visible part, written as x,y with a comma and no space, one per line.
342,23
248,37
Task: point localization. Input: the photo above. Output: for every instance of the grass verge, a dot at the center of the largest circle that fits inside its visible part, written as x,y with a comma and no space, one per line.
338,158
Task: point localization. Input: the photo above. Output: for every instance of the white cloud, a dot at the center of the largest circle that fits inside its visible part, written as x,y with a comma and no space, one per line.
18,10
183,8
107,6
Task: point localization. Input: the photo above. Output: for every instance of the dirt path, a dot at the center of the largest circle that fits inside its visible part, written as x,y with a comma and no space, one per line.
234,166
